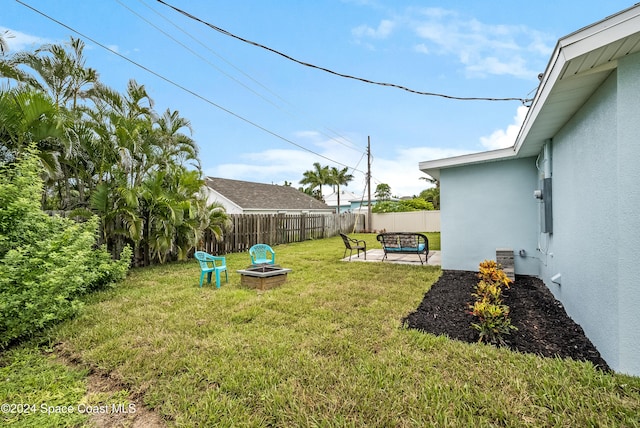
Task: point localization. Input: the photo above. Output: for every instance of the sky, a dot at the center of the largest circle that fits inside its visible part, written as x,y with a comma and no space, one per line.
258,116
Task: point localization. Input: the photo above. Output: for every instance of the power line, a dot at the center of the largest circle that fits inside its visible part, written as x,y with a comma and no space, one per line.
352,146
183,88
347,76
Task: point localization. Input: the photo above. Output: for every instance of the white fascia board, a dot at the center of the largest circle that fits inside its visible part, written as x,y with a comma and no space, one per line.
554,70
569,47
572,46
612,28
433,167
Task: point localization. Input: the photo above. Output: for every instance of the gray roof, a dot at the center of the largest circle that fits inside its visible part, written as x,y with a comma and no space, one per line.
260,196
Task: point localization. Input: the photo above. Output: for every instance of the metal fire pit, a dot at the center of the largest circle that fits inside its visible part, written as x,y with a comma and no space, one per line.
263,277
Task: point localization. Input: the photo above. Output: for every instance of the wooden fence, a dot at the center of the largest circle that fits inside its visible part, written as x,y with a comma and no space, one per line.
272,229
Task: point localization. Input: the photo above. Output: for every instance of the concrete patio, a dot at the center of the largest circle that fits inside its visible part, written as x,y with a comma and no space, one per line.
376,255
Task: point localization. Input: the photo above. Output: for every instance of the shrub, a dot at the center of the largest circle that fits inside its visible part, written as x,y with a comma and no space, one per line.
493,321
489,291
405,205
46,263
493,316
490,271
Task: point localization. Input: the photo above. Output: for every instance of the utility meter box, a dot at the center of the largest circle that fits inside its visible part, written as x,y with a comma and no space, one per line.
504,257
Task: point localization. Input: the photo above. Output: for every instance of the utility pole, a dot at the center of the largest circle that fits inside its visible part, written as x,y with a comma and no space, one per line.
369,183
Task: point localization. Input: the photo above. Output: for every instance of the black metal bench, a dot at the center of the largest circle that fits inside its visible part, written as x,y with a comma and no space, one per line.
404,243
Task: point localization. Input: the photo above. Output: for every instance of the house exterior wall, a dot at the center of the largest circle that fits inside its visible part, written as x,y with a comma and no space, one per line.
488,206
596,227
215,197
582,248
628,208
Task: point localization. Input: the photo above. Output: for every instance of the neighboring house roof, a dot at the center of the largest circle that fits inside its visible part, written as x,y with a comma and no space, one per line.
345,198
580,63
248,195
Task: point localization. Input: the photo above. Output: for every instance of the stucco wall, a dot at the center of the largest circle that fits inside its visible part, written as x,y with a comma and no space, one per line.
596,168
628,209
488,206
583,246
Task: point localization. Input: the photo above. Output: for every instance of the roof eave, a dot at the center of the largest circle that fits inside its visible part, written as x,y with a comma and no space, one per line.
433,167
560,72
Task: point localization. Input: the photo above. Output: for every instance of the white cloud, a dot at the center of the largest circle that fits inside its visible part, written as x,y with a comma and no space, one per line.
307,134
421,48
280,165
385,28
269,166
515,66
19,41
483,49
502,138
400,171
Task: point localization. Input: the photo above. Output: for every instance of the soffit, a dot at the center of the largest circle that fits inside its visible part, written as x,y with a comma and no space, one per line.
577,80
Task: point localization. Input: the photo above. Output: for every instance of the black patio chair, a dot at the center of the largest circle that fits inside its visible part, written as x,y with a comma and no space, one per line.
353,244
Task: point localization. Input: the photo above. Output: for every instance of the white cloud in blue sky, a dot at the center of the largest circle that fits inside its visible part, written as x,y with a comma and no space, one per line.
19,41
382,31
465,48
502,138
480,48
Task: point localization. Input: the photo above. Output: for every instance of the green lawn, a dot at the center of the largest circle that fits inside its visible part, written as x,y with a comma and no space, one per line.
325,349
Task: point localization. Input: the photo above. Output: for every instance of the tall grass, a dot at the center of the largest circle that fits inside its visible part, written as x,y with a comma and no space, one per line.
325,349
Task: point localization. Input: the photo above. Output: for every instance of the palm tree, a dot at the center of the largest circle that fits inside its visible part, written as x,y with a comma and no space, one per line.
175,146
196,215
8,68
126,125
160,214
114,157
60,71
218,220
4,45
338,178
28,116
117,206
432,194
316,177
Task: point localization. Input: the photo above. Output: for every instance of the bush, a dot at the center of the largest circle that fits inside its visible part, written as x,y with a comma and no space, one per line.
493,316
491,272
405,205
46,263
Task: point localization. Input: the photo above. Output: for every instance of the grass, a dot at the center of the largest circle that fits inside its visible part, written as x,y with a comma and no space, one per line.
325,349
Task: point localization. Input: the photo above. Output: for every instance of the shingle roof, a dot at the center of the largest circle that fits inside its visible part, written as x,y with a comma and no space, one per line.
249,195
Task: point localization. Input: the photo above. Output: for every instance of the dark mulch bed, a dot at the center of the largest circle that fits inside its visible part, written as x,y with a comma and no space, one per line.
544,328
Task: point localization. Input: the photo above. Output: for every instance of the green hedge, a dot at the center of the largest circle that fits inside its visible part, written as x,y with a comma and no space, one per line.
46,263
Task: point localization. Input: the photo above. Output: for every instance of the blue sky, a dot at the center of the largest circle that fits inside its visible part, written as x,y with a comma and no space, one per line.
260,117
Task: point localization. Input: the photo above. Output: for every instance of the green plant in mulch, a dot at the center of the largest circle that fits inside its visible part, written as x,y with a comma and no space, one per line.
492,314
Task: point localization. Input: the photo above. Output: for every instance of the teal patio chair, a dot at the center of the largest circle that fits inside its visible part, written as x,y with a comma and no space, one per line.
210,264
262,254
